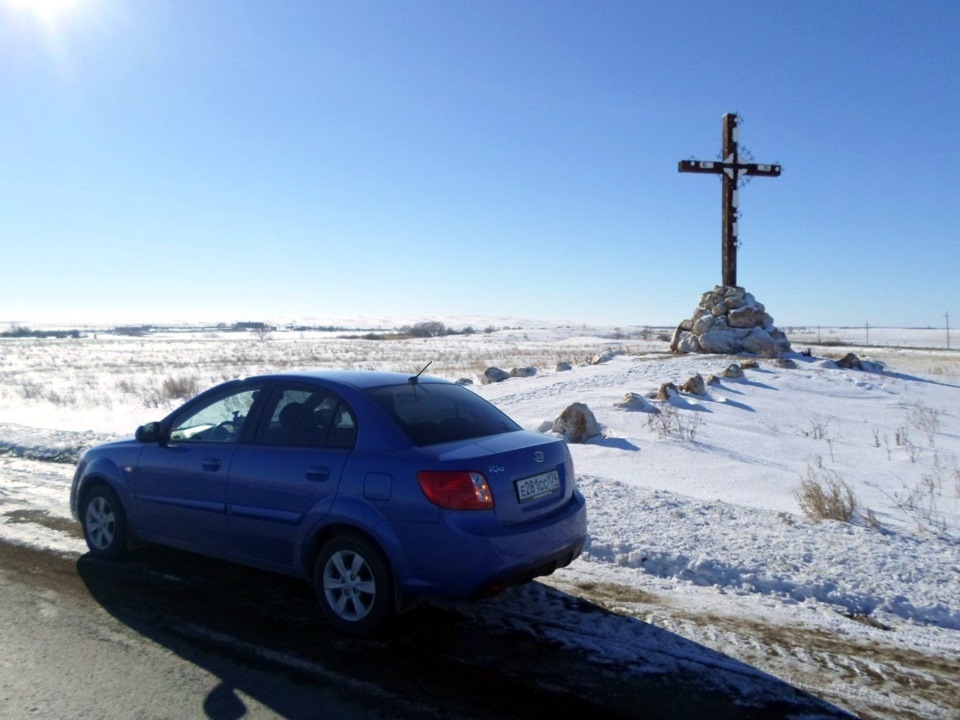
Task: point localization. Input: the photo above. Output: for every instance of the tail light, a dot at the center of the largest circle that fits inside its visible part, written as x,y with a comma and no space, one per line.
456,490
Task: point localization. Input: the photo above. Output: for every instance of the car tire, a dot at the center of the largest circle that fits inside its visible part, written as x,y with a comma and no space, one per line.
354,585
104,523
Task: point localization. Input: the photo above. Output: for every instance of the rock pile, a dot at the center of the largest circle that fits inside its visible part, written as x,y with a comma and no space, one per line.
729,321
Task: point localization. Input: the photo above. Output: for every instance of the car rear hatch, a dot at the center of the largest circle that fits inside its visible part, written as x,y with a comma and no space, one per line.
529,474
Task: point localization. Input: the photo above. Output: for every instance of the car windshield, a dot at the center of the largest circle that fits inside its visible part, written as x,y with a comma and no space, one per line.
432,413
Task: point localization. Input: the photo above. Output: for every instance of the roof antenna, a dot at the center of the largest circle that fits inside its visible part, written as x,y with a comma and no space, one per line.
415,378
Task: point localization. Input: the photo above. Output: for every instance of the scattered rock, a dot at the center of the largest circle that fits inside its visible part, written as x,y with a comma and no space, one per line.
850,362
523,372
786,363
713,380
667,391
564,366
493,375
464,381
695,385
734,371
632,401
750,364
577,424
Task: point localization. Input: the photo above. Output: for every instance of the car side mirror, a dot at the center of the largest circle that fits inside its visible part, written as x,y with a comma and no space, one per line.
148,433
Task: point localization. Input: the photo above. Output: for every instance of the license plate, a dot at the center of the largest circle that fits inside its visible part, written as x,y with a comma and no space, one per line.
537,486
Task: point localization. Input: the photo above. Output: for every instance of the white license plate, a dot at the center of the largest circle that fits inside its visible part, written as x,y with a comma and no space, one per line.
537,486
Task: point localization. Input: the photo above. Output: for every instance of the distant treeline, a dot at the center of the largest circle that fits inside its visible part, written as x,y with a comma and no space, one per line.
420,330
318,328
25,332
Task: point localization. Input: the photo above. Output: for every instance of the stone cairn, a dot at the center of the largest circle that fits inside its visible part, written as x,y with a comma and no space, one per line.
730,321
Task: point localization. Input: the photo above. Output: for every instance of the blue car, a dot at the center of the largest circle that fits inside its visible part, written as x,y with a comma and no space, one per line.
379,488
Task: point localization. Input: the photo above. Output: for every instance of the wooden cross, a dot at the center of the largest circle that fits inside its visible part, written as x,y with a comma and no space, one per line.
731,170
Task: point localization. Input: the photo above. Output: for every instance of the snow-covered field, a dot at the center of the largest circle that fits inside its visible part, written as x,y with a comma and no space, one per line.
695,523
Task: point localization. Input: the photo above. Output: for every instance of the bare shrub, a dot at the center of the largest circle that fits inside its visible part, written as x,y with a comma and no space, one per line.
901,437
871,520
55,398
180,387
31,390
926,501
926,419
823,495
670,422
127,387
818,428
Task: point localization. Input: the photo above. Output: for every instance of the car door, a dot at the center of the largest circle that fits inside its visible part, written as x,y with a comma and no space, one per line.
288,473
181,482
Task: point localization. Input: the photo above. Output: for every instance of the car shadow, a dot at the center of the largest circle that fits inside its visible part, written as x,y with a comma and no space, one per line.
505,657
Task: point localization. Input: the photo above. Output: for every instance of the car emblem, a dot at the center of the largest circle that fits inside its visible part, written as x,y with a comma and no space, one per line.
538,456
496,468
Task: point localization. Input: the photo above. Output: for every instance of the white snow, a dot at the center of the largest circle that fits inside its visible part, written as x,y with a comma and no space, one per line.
695,526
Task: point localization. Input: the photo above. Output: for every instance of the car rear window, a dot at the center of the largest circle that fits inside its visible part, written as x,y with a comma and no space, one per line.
431,413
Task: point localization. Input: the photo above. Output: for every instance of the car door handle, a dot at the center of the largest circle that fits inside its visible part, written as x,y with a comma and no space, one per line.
318,474
211,464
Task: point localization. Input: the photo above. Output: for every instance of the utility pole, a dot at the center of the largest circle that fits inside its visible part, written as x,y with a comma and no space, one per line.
946,316
868,332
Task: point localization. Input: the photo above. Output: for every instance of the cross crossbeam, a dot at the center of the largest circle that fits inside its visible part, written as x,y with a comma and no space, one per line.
731,170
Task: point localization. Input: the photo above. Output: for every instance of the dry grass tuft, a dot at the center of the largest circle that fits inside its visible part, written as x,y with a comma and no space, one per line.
823,495
180,387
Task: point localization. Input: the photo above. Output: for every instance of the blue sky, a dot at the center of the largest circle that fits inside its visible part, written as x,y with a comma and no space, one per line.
241,159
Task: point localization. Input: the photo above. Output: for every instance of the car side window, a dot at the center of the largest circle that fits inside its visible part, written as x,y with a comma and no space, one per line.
312,418
219,420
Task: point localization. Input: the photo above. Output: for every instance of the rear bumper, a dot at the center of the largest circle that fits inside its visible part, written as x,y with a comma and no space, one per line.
467,556
519,576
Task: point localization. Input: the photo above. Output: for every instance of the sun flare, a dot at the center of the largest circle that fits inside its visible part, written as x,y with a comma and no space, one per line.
47,11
